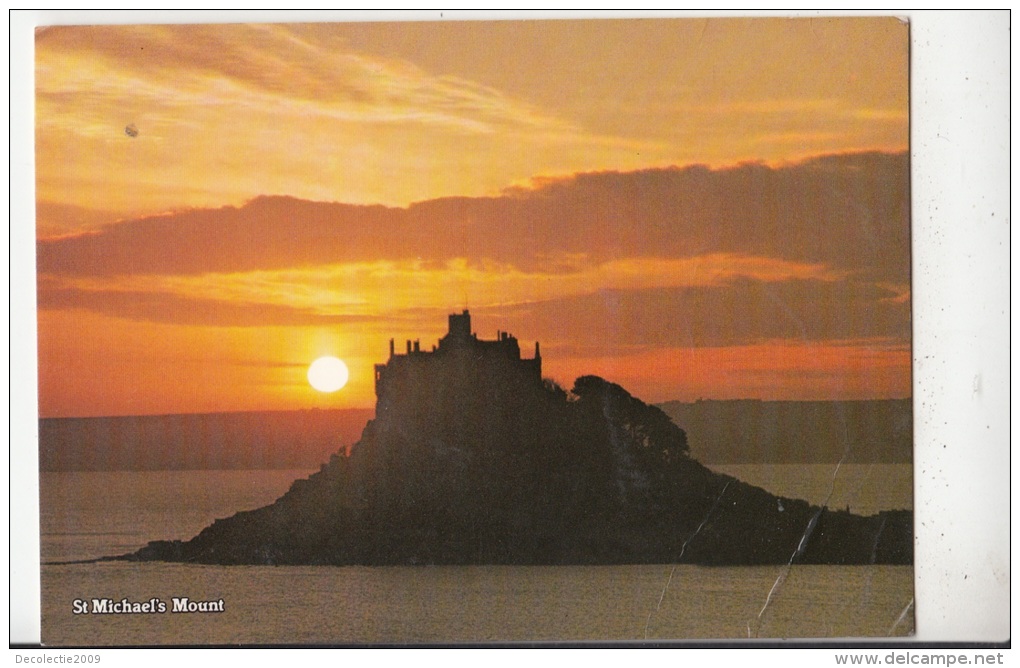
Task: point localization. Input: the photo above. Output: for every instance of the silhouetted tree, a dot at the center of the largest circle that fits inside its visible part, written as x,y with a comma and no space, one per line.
650,430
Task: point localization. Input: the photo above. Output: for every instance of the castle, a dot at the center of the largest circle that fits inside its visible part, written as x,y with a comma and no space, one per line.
461,372
459,353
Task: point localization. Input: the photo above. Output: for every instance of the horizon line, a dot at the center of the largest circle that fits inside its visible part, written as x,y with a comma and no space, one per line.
372,408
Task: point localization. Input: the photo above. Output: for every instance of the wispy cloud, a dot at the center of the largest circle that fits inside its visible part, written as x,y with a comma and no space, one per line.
347,292
397,113
83,74
737,312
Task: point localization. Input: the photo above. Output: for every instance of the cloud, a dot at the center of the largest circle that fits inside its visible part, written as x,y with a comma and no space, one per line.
849,212
737,312
259,66
371,287
162,307
610,321
628,262
227,112
397,112
54,219
270,232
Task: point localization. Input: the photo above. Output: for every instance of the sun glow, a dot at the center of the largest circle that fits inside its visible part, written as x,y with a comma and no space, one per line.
328,374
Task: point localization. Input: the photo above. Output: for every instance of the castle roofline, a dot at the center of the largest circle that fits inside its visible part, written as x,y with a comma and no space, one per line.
459,343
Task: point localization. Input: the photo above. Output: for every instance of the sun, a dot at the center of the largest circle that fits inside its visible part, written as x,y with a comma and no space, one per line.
328,374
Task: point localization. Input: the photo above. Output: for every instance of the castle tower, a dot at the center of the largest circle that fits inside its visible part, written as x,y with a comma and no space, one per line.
460,326
461,362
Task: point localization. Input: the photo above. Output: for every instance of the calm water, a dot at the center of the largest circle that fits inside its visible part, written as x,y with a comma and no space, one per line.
864,488
86,515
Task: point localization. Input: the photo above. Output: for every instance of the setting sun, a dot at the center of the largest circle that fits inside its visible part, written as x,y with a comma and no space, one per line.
327,374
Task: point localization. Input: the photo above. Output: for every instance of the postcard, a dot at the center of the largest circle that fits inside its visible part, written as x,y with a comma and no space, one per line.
473,332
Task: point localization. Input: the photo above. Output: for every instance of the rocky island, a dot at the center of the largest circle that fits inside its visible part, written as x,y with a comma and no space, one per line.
473,458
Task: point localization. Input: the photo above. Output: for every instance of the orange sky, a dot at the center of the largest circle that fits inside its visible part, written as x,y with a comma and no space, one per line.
691,208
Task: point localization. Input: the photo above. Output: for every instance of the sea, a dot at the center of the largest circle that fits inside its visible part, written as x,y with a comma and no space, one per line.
87,515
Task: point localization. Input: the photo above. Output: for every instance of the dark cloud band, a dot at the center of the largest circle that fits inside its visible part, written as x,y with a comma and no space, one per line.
851,212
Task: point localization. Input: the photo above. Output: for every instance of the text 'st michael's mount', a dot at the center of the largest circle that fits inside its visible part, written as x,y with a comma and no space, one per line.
124,606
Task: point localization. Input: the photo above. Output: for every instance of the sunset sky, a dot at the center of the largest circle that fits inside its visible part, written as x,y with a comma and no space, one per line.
691,208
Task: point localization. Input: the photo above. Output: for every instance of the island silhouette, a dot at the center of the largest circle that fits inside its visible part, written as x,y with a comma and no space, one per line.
474,458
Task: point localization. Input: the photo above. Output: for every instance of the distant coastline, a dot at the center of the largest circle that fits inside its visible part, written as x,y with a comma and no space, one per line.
743,431
730,431
749,431
257,440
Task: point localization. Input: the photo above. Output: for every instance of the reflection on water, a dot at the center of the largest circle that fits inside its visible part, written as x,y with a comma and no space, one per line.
349,605
85,515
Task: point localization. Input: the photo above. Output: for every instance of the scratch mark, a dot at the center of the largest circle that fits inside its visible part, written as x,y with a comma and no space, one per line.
903,615
878,537
853,494
768,599
701,35
802,545
839,464
683,548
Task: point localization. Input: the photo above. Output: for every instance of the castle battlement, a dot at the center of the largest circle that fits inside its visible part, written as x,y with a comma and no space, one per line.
460,360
